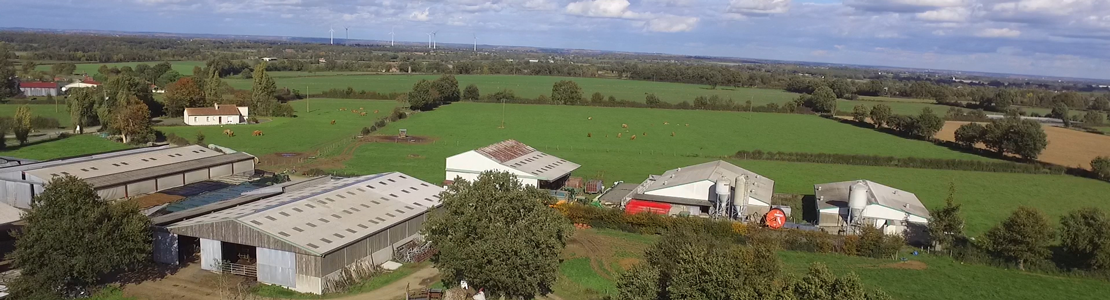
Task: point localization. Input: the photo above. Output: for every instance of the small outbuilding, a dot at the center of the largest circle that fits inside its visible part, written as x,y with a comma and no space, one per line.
301,237
38,89
530,166
842,206
87,83
698,190
219,114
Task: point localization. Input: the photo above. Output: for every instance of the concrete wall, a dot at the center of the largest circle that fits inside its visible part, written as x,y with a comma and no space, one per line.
886,213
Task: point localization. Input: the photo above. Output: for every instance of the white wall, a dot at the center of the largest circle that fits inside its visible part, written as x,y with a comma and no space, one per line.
211,255
469,164
697,190
309,284
212,120
886,213
243,110
277,267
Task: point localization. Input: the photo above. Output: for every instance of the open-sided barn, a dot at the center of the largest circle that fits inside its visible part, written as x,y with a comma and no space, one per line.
301,236
692,190
530,166
123,174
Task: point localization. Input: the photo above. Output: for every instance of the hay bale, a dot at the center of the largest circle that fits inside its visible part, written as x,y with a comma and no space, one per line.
666,123
687,124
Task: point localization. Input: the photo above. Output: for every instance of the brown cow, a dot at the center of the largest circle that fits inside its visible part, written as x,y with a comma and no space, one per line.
362,113
375,111
618,134
229,133
589,134
672,133
633,137
258,133
624,125
332,122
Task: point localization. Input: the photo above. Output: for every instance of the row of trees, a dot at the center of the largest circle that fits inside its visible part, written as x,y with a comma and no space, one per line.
922,126
427,95
122,105
1010,135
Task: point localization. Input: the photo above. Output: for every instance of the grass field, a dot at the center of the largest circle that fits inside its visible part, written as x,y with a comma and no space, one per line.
306,131
183,67
942,278
45,110
71,146
530,86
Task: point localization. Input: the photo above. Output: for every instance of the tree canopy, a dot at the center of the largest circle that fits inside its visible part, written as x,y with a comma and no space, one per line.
182,94
263,92
21,123
566,92
947,224
471,93
499,235
1085,238
132,119
880,115
1022,237
72,238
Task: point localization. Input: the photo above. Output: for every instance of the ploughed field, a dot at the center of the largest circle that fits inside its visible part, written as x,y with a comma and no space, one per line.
1066,147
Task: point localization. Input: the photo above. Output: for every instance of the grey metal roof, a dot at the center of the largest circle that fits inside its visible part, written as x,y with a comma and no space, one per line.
836,195
163,170
18,169
762,188
125,163
329,216
521,157
618,193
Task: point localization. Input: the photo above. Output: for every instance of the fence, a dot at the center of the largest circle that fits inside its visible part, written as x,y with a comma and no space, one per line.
239,269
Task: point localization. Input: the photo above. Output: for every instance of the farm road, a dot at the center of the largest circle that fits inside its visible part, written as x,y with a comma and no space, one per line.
396,290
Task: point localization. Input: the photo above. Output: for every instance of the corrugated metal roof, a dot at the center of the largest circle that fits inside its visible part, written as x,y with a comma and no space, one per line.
618,193
162,170
542,165
223,110
78,159
506,150
38,85
836,195
120,164
762,188
329,216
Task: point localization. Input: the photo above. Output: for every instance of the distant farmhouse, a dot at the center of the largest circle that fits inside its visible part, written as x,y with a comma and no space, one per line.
38,89
530,166
219,114
702,189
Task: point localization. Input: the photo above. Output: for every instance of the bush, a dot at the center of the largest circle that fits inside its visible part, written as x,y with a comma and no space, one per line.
380,123
970,134
252,120
40,122
176,140
284,110
366,131
873,243
1101,167
200,138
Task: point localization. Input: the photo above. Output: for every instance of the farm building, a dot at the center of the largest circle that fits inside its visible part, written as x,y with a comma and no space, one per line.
217,115
80,84
301,236
123,174
693,190
530,166
33,89
865,202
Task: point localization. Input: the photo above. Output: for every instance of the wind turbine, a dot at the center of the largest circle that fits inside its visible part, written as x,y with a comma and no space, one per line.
391,36
429,40
347,34
332,31
475,42
434,38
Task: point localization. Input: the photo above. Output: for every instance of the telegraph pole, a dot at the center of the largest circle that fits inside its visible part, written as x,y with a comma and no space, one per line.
306,97
502,114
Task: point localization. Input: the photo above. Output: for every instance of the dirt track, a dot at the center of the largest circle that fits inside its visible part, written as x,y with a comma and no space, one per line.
1066,147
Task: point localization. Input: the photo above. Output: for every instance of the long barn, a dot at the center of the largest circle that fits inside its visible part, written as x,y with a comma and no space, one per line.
301,237
124,174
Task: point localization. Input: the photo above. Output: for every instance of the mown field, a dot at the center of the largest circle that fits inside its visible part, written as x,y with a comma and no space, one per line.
562,131
183,67
528,86
594,259
59,112
307,131
67,147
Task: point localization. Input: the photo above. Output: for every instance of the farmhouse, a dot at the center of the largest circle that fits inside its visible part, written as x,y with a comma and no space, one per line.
304,235
530,166
699,190
32,89
867,203
216,115
124,174
80,84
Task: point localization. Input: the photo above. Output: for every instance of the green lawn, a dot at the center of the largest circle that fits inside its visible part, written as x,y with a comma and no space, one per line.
110,293
183,67
530,86
374,283
306,131
45,110
71,146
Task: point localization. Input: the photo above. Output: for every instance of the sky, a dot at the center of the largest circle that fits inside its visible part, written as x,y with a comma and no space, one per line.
1069,38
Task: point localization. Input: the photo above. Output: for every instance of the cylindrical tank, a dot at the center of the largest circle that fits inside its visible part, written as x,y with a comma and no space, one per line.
741,191
723,189
857,197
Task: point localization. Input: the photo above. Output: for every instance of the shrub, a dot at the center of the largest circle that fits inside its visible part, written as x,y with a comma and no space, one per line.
873,243
252,120
200,138
1101,167
859,113
380,123
176,140
40,122
284,110
366,131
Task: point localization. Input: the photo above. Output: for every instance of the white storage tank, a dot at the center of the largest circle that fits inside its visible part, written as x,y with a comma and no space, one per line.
857,199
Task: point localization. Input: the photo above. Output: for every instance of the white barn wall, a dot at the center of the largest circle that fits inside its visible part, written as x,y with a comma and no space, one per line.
221,170
211,254
472,162
196,176
886,213
171,181
141,187
696,190
277,267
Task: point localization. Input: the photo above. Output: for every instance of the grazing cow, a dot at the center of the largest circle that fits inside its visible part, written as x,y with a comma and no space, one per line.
666,123
672,133
624,125
590,118
375,111
633,137
258,133
645,134
362,113
589,135
229,133
618,134
332,122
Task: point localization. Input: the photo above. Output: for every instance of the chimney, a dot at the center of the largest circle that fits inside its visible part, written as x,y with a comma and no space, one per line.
217,106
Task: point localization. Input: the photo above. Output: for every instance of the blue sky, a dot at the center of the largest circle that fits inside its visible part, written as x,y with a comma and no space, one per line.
1042,37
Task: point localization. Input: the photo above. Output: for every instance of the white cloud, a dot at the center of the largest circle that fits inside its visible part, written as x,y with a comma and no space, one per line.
947,14
758,7
419,16
602,8
903,6
671,23
998,32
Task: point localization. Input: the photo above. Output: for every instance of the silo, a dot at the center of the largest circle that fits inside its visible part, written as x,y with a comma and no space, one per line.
857,200
723,199
740,200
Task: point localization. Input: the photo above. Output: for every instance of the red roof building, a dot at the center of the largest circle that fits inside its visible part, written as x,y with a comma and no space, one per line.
38,85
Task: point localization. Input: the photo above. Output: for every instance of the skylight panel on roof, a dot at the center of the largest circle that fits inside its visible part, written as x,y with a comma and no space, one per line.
352,193
336,216
399,211
324,220
338,235
393,195
380,219
271,218
283,213
353,208
391,180
363,226
325,240
409,207
310,224
282,233
351,230
297,209
298,229
256,222
313,246
390,215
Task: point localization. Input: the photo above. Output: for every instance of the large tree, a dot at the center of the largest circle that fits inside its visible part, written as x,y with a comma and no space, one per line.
1022,237
213,88
82,107
823,100
471,93
422,96
498,218
21,124
1101,167
72,238
1013,135
1085,238
927,124
597,98
132,119
566,92
1060,111
8,86
880,115
181,95
947,224
860,112
263,91
447,89
969,134
63,69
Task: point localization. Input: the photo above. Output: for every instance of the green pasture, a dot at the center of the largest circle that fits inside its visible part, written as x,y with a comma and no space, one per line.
183,67
530,86
942,278
67,147
59,112
307,131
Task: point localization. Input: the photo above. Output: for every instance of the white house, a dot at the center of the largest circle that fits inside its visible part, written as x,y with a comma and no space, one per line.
220,114
867,203
693,190
530,166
